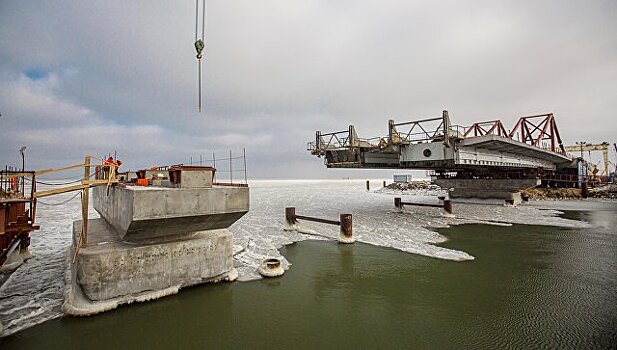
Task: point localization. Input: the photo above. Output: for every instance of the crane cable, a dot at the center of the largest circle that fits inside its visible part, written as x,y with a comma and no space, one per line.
199,45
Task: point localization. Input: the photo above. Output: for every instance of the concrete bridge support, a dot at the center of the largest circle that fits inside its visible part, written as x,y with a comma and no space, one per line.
506,189
152,240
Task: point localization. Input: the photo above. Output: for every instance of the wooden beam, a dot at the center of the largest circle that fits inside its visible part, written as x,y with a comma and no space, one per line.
41,194
46,171
84,204
85,184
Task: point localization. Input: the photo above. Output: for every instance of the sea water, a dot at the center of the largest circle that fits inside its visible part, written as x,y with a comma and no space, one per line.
460,266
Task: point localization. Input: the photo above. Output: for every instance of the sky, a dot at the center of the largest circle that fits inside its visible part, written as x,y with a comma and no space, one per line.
98,77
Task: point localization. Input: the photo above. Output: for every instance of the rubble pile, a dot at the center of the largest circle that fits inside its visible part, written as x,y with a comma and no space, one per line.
551,193
414,185
608,191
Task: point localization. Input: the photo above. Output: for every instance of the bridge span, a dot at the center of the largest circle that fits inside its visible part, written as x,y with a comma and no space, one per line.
528,155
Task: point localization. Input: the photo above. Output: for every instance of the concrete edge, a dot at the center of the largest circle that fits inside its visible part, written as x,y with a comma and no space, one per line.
77,304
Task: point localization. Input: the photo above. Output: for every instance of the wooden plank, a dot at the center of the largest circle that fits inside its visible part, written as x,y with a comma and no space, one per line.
46,171
85,184
40,194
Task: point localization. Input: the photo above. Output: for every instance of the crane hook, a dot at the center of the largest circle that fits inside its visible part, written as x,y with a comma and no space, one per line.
199,47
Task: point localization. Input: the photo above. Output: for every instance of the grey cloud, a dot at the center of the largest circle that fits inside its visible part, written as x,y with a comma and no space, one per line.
122,75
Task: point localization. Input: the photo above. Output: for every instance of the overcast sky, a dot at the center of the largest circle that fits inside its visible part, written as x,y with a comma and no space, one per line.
81,77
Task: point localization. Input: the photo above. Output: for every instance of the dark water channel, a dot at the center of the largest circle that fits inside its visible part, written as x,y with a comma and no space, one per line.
529,287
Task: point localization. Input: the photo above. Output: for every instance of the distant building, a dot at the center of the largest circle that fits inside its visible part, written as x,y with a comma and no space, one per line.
402,178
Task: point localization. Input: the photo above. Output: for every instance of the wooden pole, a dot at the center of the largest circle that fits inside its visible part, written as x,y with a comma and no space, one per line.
85,200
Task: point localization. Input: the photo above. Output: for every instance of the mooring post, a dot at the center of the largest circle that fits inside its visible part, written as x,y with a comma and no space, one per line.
290,215
447,206
384,183
584,190
397,202
368,185
345,233
346,228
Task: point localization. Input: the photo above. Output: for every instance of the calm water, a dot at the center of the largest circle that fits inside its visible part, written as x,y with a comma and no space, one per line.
529,287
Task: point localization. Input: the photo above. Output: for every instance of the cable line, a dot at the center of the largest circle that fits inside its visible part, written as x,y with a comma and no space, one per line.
59,203
200,45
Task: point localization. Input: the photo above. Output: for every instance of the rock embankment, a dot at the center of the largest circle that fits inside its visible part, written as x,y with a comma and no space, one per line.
608,191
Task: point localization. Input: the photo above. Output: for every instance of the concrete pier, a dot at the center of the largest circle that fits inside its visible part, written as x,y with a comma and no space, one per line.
506,189
152,240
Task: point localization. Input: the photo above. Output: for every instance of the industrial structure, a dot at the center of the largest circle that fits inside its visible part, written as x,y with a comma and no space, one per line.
590,147
528,155
18,204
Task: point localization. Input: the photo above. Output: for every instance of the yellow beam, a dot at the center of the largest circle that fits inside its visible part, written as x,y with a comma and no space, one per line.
587,147
602,147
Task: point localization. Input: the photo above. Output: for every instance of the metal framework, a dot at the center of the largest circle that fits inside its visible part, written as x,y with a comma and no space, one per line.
528,130
333,140
17,211
340,140
17,221
434,143
417,131
493,127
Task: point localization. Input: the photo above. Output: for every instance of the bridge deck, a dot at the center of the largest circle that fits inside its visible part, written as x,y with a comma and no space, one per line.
504,144
445,147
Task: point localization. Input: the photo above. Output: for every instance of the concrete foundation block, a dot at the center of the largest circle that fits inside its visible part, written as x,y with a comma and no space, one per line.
505,189
109,267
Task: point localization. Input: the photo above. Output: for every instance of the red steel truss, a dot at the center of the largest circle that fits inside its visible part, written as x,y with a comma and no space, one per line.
493,127
532,131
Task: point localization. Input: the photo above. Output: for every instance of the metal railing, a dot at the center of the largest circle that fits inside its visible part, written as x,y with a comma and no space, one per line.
233,168
424,130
